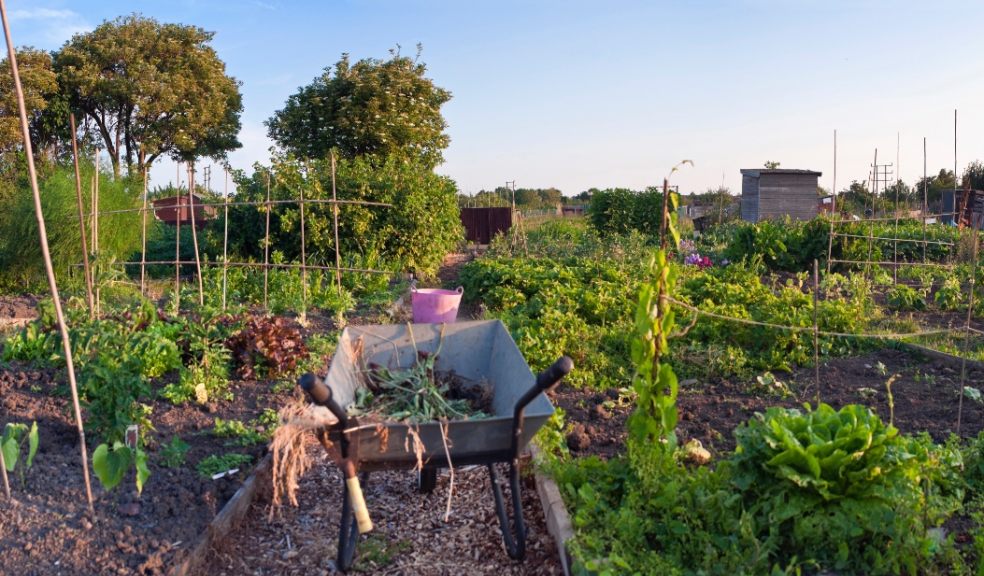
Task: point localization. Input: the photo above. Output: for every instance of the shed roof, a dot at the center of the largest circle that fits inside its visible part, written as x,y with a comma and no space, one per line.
756,172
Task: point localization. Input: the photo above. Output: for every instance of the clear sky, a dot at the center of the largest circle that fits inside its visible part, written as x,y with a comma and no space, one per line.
576,94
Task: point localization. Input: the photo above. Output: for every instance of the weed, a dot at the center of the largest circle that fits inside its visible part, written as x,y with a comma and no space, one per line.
216,464
174,452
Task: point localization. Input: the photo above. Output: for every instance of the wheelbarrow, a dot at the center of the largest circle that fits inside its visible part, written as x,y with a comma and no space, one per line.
478,351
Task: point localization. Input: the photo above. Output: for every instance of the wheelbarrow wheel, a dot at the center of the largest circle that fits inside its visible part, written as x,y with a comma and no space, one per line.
426,480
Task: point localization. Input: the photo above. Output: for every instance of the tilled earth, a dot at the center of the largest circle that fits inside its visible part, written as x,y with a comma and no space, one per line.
926,396
410,536
47,529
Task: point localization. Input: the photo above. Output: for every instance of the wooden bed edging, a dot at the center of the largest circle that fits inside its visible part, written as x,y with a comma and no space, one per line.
226,520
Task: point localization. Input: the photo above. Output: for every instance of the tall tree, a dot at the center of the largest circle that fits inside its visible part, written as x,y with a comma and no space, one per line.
40,98
973,176
157,86
370,108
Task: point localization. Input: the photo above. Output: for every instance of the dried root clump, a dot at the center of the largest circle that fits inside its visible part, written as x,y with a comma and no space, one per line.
290,458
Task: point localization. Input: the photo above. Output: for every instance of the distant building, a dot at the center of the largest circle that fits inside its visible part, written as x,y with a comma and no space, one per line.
777,193
169,209
964,208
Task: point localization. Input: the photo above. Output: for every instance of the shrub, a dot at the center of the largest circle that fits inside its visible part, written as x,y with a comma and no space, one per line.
21,264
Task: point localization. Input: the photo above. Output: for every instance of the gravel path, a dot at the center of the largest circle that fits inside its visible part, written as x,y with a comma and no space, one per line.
410,535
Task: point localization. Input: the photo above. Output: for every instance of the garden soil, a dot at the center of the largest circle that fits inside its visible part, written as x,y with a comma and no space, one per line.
925,395
47,529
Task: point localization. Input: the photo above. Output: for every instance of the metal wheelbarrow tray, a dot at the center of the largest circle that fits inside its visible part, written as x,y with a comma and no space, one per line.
479,351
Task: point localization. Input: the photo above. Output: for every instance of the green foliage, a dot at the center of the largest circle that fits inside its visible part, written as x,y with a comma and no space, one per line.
173,453
950,296
216,464
40,87
162,85
21,264
812,491
553,307
738,291
373,107
111,388
653,423
204,381
419,227
619,211
112,463
903,298
241,434
15,435
782,244
792,246
842,488
33,343
417,394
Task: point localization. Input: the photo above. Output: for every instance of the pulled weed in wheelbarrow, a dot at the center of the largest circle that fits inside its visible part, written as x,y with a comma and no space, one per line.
420,393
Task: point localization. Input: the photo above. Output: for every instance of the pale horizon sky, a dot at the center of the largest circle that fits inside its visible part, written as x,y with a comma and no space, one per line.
575,94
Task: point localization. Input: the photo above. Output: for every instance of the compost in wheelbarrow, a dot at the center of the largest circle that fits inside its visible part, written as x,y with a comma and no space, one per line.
480,351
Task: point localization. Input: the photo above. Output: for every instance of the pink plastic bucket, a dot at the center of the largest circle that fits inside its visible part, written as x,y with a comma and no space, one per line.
434,305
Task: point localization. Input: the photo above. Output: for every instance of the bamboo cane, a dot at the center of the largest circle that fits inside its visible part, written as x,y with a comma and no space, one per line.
46,254
85,245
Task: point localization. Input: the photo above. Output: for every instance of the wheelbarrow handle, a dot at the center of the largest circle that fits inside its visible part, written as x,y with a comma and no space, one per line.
320,394
554,374
544,381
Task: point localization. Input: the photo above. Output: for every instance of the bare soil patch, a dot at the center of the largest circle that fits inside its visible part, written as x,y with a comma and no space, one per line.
926,396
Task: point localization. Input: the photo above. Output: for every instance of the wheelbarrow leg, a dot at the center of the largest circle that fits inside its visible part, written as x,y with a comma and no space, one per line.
348,532
514,533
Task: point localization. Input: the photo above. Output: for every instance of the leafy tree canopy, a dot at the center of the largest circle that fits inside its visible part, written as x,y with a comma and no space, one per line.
40,95
151,85
371,108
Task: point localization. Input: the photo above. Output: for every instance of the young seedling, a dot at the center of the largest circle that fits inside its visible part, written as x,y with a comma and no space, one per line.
12,443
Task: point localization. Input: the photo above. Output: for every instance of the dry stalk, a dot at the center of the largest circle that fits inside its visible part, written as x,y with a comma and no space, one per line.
418,445
447,452
290,458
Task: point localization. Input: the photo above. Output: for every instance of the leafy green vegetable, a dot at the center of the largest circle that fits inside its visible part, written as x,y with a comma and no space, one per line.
112,464
12,442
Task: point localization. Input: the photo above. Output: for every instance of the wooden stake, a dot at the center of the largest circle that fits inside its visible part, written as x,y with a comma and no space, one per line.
225,241
143,231
46,254
925,200
95,226
307,173
85,247
194,232
177,245
3,470
816,327
970,311
334,210
266,246
833,209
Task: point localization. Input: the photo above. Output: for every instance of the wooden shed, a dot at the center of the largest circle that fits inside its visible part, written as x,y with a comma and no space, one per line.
482,224
169,209
777,193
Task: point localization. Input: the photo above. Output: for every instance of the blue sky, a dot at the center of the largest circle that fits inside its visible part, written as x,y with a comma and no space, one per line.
578,94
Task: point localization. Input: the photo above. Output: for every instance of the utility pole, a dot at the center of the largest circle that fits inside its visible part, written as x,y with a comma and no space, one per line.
511,186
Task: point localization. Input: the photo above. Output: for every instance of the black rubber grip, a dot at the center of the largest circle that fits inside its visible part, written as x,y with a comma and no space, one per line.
551,376
315,388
